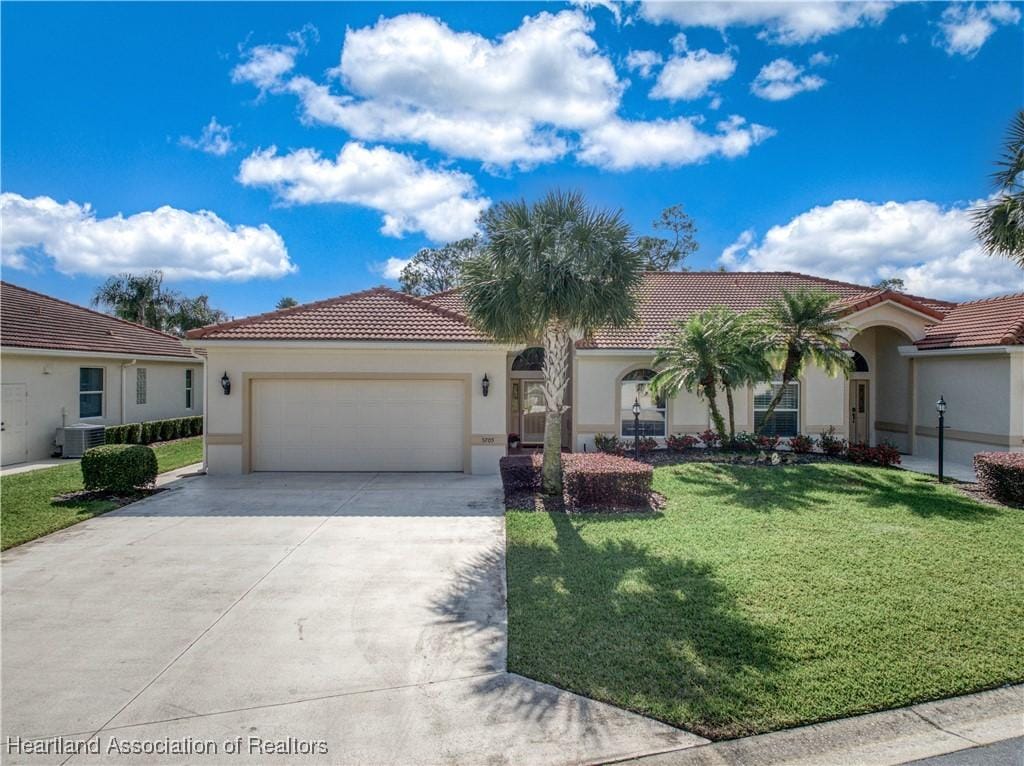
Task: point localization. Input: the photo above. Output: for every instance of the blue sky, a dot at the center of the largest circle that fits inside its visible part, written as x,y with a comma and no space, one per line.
841,139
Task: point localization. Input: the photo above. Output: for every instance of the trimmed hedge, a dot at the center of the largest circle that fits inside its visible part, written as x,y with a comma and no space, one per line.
590,479
155,430
119,468
1001,475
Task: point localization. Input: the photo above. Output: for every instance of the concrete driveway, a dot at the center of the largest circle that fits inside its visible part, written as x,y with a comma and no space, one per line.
320,618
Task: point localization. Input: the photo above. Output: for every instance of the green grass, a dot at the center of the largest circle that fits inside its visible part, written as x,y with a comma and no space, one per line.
766,598
27,510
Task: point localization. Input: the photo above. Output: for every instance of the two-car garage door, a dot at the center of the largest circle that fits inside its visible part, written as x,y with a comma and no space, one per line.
358,425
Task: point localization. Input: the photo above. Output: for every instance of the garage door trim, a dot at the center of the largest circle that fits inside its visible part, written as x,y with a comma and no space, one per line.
248,378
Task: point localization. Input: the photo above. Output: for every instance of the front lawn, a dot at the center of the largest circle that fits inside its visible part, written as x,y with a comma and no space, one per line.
763,598
27,510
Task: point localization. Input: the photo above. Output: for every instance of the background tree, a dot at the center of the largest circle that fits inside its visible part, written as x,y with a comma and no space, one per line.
999,223
548,271
190,313
286,303
800,328
663,254
142,298
892,283
436,269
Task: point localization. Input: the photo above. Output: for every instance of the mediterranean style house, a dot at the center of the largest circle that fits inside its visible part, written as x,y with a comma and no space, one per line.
380,380
63,364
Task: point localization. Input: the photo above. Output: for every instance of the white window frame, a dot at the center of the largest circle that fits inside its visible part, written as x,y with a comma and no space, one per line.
101,392
141,385
190,384
626,413
763,388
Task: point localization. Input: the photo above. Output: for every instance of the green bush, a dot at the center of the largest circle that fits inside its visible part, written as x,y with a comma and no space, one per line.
133,433
118,468
155,430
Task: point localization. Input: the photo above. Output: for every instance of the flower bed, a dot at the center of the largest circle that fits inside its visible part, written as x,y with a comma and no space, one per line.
591,481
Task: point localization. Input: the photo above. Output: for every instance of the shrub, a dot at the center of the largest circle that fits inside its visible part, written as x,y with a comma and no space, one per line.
645,445
680,442
1001,475
744,441
768,442
858,452
521,473
608,443
606,481
801,444
830,443
132,433
118,467
886,455
710,438
168,429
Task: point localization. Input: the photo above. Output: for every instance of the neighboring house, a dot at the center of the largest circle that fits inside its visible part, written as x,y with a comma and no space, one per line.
63,364
380,380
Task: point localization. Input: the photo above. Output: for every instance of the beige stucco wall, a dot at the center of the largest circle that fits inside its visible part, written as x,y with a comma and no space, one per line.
51,384
225,414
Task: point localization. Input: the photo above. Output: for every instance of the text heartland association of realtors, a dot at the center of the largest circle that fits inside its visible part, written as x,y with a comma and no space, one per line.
166,746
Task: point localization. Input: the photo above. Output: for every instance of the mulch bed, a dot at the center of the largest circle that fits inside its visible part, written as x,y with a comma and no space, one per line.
975,492
725,457
526,501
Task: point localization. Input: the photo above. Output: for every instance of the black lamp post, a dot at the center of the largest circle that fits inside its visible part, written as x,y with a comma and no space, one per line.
940,407
636,428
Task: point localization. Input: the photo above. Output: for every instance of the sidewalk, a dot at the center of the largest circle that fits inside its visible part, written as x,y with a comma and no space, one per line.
958,471
877,739
36,465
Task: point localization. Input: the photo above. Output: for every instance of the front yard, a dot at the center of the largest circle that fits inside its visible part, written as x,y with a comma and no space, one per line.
28,509
761,599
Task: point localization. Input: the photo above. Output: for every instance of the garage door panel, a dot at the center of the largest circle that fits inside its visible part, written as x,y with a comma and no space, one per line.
358,425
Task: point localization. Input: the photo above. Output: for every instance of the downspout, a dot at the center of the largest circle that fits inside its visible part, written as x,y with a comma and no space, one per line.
124,367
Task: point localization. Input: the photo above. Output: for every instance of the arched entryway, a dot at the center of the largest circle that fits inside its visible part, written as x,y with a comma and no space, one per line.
526,405
880,391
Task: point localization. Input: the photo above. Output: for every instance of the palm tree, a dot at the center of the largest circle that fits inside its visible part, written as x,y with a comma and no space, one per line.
138,298
743,360
548,271
799,328
999,223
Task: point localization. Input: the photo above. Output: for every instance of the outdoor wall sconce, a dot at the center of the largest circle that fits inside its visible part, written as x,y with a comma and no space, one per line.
485,384
225,383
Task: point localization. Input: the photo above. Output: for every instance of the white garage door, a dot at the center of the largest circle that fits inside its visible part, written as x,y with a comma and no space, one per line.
357,425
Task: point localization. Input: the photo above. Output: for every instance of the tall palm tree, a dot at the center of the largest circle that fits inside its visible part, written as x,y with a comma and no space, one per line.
138,298
800,328
999,222
550,270
743,359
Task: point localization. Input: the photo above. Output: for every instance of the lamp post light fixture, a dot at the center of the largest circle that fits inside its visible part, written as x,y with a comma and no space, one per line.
940,407
225,383
636,428
485,384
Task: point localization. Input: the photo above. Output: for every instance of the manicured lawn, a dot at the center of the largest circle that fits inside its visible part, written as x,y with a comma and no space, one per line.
765,598
27,510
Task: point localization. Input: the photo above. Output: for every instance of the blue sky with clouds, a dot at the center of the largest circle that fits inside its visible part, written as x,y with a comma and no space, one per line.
257,150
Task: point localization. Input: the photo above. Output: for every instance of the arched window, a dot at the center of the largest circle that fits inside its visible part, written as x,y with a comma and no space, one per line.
635,387
532,359
860,364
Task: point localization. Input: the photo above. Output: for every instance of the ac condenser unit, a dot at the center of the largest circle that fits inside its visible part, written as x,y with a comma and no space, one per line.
79,438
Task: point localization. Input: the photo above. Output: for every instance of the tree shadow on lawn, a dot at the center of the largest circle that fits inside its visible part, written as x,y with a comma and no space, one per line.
809,487
655,634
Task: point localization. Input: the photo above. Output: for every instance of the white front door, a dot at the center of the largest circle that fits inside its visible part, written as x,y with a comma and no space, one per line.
358,425
532,412
860,412
13,432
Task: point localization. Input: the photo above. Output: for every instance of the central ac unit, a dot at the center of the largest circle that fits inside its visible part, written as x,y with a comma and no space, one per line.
79,438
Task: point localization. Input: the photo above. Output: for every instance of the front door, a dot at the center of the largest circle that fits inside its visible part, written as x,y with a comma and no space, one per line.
13,437
532,409
860,411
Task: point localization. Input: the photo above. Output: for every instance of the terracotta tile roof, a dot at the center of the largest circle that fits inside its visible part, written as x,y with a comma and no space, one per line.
929,306
32,320
379,314
989,322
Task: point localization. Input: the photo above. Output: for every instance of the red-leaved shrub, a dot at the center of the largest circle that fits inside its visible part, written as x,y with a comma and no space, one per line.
520,473
710,438
884,455
1001,475
801,444
768,442
608,443
680,442
605,481
830,444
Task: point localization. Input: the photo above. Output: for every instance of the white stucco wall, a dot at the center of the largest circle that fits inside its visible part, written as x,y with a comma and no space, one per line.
51,385
224,417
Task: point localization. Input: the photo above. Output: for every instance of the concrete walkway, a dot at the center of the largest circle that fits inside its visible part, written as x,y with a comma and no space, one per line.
359,617
957,471
35,465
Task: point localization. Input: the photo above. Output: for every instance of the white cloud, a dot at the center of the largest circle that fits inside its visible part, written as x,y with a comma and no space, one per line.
266,65
391,268
821,59
965,28
730,257
692,74
783,22
182,244
622,144
443,204
782,79
612,6
643,62
931,248
215,139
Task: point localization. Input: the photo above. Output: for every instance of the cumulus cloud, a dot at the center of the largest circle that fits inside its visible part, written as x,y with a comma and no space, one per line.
930,247
964,28
612,6
184,245
266,65
443,204
821,59
731,255
622,144
781,79
691,74
391,268
643,62
788,23
215,139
